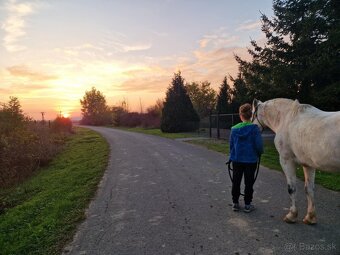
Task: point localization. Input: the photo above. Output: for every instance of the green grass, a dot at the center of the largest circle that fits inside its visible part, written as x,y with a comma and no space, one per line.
270,159
158,132
40,216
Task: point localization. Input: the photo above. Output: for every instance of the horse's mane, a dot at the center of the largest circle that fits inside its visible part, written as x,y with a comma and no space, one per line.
298,108
295,108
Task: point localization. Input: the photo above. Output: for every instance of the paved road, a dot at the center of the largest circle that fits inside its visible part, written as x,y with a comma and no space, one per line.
161,196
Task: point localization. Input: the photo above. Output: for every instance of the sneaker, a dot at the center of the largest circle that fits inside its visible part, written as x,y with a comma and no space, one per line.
236,207
249,208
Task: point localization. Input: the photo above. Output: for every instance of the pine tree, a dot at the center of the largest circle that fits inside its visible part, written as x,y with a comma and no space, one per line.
301,56
240,93
224,98
178,113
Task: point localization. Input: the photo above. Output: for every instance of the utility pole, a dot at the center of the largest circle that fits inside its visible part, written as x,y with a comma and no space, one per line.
141,106
42,117
60,115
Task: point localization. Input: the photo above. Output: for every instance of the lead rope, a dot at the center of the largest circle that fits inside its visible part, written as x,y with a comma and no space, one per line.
230,169
259,161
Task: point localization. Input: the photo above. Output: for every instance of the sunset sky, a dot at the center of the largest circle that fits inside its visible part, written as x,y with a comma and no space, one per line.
51,52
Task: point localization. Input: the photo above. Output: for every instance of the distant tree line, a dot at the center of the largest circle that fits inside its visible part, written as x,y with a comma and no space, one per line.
96,112
185,104
299,60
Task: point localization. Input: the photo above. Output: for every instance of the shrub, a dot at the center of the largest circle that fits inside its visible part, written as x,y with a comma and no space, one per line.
26,149
25,145
61,124
150,120
131,119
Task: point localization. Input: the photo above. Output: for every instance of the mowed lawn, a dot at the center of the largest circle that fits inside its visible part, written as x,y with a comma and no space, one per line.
269,159
40,216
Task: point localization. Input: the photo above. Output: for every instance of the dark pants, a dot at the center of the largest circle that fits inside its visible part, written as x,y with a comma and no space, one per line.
248,169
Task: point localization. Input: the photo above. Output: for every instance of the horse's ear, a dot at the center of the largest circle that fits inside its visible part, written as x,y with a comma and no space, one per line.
255,102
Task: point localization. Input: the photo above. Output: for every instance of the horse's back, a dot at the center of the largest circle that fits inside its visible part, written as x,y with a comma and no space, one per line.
315,138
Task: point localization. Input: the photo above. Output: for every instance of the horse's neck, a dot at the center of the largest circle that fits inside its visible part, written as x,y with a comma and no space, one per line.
275,113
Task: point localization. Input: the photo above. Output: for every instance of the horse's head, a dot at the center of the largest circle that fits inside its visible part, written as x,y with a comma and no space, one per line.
258,113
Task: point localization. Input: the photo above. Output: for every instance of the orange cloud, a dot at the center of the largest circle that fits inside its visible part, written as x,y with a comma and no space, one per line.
27,87
204,64
23,71
4,91
212,65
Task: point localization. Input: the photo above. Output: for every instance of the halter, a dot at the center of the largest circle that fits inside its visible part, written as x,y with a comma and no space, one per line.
255,116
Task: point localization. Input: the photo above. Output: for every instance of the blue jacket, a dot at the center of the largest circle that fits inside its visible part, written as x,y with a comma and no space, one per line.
245,143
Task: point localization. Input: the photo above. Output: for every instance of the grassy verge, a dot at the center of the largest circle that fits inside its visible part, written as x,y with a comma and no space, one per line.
41,215
270,159
158,132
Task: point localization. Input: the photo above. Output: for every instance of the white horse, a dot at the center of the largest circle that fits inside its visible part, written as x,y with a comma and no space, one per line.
305,135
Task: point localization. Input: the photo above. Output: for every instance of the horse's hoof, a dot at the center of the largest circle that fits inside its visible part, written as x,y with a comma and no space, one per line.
291,217
290,221
309,221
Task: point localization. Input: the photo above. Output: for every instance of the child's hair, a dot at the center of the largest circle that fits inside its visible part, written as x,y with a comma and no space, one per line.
245,111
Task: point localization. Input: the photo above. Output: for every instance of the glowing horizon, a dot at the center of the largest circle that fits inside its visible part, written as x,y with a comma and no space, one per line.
129,50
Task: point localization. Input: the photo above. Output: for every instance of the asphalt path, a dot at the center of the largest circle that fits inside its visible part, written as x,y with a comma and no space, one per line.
163,196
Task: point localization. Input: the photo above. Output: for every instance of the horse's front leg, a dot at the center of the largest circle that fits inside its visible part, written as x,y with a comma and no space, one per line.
309,173
289,169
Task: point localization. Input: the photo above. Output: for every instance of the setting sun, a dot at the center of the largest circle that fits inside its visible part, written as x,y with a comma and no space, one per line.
66,115
127,61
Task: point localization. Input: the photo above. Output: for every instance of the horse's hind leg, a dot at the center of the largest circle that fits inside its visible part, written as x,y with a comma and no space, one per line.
309,173
289,169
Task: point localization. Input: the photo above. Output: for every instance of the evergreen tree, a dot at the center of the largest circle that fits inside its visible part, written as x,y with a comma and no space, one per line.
178,113
224,98
240,93
301,56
